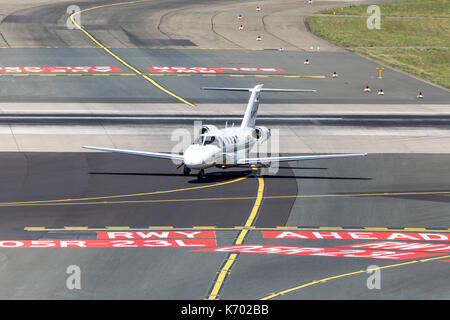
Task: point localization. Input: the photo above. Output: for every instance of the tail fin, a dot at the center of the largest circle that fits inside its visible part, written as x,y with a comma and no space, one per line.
253,103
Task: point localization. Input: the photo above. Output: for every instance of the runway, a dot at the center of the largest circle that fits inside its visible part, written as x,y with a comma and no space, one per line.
139,229
125,86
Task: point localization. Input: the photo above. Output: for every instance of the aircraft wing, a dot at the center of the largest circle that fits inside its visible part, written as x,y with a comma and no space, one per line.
297,158
140,153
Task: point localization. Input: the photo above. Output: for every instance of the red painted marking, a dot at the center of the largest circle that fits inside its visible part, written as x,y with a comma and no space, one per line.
414,246
208,70
359,235
58,69
106,243
445,260
329,252
156,234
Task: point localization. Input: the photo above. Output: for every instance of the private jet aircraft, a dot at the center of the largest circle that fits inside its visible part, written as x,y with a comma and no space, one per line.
229,147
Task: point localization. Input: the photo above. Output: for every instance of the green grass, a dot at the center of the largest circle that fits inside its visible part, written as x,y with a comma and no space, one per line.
429,64
353,32
414,8
431,61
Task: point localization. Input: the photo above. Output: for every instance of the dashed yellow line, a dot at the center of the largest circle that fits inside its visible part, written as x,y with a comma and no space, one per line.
116,56
164,74
232,258
312,283
235,228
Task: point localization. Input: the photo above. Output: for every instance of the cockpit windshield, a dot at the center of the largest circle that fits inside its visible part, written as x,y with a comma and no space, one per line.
204,140
210,139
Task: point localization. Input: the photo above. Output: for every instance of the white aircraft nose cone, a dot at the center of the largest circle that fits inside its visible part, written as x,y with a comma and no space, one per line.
197,157
193,157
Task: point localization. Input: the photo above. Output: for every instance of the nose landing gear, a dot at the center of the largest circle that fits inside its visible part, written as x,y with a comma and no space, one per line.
186,171
200,175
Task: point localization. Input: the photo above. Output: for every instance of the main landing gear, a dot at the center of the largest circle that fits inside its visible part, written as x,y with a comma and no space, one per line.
186,171
200,175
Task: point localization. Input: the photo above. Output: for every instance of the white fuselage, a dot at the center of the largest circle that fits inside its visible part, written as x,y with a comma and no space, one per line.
219,148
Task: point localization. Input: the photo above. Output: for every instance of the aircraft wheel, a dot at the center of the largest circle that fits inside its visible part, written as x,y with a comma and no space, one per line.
186,171
200,174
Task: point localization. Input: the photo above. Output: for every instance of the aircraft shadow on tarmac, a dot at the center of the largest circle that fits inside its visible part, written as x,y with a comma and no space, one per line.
303,168
210,177
220,176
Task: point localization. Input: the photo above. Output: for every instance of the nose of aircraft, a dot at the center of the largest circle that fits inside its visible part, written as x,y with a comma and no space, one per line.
197,157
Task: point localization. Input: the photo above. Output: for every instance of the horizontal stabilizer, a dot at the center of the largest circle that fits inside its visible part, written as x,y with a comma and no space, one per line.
258,89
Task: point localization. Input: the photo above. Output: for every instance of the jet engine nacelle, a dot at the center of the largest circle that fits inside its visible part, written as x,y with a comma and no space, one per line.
208,129
261,134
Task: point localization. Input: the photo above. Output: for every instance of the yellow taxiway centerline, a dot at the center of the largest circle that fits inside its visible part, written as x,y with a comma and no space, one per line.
309,284
116,56
232,258
66,201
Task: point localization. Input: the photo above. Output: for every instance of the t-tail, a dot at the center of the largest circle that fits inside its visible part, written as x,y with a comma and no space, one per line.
253,103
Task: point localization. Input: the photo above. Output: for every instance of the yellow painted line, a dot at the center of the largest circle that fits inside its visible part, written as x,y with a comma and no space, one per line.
116,56
159,75
309,284
126,195
241,237
203,227
66,201
251,228
167,227
121,228
221,276
218,284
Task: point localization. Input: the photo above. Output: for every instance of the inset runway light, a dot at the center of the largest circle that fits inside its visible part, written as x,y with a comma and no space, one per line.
306,61
240,17
281,49
367,89
380,92
241,27
258,38
258,8
420,95
334,75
